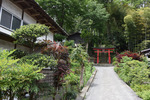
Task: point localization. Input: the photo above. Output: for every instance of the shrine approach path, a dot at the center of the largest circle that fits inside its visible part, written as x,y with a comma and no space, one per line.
108,86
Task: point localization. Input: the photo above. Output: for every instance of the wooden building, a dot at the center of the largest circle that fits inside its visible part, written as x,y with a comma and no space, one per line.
76,37
15,13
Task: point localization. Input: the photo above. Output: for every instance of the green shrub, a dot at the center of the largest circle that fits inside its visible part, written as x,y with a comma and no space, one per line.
126,59
17,78
141,87
89,69
40,60
28,34
134,72
145,95
117,69
70,45
143,45
59,37
70,95
139,73
72,79
18,54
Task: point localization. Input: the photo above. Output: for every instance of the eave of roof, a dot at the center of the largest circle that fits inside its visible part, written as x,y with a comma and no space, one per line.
34,10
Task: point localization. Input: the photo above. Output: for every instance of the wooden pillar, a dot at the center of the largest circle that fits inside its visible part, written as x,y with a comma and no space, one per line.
0,2
97,56
109,56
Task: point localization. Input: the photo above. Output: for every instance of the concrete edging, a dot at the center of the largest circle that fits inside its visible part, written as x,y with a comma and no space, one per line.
83,92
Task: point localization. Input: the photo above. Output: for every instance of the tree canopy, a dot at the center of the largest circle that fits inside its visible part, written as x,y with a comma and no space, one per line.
124,24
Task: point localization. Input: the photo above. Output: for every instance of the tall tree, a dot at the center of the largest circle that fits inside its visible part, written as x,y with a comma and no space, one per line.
63,11
137,27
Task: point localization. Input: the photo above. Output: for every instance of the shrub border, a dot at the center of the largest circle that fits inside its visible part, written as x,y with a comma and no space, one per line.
85,89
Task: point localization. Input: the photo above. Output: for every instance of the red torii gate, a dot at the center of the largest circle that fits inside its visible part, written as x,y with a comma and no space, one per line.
103,50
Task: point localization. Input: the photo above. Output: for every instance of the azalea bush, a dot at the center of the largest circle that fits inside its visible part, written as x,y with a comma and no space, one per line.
16,79
134,56
135,73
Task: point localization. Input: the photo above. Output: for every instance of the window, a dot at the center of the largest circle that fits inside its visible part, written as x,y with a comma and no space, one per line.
9,20
6,19
16,23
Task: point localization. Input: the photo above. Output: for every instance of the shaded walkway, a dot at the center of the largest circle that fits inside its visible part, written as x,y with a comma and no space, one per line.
108,86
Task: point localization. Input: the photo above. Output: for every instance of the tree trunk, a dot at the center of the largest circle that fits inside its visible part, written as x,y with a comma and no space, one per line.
11,94
87,46
81,76
31,96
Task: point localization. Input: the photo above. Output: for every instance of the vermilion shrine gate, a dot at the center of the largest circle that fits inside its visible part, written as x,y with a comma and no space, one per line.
103,50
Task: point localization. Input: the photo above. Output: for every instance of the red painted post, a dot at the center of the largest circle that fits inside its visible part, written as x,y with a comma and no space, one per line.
109,56
97,56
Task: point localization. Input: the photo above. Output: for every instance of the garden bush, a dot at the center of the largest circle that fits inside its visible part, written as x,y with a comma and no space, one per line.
70,45
134,56
18,54
61,54
59,37
145,95
136,74
133,71
40,60
17,78
29,34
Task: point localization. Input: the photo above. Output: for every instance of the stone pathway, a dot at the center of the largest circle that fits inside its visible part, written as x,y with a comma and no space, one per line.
108,86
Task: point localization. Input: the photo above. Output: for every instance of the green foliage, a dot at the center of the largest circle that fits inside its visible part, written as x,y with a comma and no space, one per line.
70,45
17,54
143,45
140,88
96,13
70,95
40,60
64,11
137,28
126,59
79,55
28,34
17,78
137,3
89,69
114,61
59,37
136,74
72,79
145,95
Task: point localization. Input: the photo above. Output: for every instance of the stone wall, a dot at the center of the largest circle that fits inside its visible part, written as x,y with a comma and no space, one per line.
49,76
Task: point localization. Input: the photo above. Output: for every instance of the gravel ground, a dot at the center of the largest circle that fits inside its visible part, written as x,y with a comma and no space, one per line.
108,86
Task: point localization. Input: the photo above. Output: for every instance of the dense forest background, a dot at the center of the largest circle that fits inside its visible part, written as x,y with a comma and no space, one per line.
123,24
